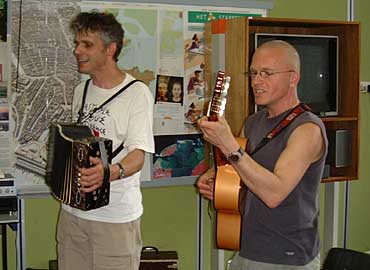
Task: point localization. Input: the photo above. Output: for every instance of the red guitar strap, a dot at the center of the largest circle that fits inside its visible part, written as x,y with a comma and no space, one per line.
293,114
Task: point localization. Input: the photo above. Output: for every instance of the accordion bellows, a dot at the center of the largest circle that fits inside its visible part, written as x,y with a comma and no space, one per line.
69,149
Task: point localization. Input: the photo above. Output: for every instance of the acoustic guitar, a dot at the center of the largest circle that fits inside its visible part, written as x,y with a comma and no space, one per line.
227,187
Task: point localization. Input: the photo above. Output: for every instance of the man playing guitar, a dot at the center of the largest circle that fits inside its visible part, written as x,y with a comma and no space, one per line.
280,221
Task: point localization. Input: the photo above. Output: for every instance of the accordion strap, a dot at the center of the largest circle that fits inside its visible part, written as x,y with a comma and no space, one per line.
81,115
80,112
104,158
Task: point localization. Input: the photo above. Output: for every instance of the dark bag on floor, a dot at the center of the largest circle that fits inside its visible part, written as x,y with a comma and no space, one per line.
346,259
154,259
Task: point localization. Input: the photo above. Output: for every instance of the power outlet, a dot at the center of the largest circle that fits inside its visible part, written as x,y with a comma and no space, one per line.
364,86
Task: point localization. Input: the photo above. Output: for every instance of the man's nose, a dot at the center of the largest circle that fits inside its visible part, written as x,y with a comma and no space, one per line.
256,79
77,50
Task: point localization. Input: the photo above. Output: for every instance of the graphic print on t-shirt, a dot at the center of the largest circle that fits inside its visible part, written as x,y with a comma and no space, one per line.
95,121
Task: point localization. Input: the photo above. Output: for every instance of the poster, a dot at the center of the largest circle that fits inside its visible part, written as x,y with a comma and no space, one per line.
194,85
177,156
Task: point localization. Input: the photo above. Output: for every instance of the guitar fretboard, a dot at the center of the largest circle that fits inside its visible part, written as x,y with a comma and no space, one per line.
217,107
218,102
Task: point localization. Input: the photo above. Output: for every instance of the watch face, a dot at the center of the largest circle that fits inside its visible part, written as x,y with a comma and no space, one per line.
234,157
121,173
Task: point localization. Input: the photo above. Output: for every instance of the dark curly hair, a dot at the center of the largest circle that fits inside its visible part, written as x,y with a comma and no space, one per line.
105,24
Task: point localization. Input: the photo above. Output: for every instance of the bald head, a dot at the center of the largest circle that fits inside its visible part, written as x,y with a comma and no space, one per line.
288,52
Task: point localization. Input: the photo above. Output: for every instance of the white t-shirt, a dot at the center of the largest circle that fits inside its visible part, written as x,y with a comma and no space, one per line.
127,118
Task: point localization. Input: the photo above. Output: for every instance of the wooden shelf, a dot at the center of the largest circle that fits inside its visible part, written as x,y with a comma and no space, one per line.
339,119
338,179
238,49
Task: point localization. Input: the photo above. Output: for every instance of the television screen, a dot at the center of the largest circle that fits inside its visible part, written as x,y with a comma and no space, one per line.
318,86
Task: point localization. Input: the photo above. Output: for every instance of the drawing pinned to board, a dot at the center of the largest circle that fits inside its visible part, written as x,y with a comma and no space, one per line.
178,156
197,44
194,102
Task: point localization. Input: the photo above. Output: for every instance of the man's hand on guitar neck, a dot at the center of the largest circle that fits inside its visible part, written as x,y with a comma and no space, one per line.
219,134
205,184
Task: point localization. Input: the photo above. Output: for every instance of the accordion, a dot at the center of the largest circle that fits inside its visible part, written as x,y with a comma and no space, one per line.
69,149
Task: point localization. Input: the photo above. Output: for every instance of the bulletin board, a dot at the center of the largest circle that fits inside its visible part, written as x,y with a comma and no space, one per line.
164,42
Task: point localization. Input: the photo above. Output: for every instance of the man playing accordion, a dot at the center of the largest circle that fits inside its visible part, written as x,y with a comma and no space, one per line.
107,237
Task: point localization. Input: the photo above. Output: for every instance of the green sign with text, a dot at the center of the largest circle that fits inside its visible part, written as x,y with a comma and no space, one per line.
205,16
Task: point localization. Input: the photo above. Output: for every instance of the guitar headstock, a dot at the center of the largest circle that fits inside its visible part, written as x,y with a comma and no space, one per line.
218,101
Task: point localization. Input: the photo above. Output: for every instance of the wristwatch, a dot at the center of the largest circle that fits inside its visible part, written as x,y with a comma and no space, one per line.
235,156
121,172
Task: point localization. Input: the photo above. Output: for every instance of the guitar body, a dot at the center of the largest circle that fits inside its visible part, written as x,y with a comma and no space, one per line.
228,198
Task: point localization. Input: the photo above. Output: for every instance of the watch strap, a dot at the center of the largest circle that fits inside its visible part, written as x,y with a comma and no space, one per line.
121,172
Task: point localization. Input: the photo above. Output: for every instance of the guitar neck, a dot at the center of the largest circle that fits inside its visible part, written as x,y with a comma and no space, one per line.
217,107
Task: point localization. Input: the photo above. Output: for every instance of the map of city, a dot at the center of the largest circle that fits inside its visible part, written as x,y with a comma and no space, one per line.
43,78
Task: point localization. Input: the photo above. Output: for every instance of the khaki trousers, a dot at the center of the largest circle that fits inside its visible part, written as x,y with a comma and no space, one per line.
91,245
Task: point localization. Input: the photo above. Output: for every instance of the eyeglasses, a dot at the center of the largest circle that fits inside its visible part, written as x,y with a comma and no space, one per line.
265,73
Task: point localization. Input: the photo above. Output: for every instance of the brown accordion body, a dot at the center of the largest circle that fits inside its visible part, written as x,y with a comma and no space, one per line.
70,147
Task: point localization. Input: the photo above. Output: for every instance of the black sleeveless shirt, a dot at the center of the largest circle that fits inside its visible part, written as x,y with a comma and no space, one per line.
287,234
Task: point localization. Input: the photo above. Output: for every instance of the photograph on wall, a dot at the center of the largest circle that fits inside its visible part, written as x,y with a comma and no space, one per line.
178,155
168,107
169,89
161,88
176,90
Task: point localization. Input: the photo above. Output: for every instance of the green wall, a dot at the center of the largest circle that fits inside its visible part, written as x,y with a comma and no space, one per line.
169,220
360,200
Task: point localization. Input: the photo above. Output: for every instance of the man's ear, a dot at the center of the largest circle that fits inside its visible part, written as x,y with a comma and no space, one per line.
111,49
295,78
